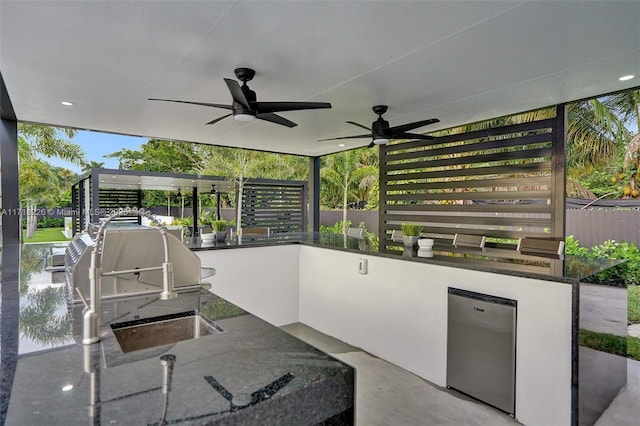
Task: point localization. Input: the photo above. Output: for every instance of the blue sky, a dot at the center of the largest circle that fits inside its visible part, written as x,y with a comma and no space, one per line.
95,145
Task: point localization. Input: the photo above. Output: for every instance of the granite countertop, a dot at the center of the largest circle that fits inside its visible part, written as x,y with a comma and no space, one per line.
246,372
570,269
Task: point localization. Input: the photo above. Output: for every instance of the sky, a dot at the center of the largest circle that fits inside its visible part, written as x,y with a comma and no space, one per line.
96,145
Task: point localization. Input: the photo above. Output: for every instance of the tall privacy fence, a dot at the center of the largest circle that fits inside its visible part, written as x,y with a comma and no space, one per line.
593,227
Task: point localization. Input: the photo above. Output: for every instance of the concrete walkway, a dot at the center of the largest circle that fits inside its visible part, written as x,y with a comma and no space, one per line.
634,330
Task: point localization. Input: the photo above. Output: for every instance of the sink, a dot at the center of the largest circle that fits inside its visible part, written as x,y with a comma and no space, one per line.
167,329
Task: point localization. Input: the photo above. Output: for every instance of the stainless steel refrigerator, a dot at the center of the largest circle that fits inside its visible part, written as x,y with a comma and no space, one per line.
481,347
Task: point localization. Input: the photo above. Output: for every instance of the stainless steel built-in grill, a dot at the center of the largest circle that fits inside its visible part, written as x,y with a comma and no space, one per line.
128,248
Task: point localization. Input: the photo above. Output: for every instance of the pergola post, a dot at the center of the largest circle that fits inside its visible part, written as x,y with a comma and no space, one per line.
194,208
11,222
313,212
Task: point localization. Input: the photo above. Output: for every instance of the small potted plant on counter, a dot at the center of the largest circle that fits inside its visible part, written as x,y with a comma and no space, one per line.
411,234
220,229
185,224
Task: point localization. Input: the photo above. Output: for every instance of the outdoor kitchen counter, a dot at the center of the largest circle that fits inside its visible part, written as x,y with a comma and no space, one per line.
570,269
250,373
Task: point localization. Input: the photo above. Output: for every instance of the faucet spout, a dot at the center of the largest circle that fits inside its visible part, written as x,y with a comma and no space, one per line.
92,315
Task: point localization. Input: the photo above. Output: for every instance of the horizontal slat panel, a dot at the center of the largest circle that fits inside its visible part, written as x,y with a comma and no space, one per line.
540,125
485,195
542,166
448,185
475,220
473,147
484,158
472,208
475,183
277,207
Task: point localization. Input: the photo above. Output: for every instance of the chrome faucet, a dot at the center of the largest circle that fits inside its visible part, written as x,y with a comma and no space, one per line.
92,315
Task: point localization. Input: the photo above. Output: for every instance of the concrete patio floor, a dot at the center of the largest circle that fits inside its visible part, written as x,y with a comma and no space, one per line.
389,395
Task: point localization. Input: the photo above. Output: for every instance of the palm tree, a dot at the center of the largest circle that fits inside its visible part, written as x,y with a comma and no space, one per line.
38,187
37,180
47,140
38,321
87,166
66,175
343,172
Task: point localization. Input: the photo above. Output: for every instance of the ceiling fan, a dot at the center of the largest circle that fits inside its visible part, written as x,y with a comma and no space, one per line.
245,106
381,133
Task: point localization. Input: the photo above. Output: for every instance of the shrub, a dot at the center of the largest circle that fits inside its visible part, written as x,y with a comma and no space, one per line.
634,304
336,228
626,273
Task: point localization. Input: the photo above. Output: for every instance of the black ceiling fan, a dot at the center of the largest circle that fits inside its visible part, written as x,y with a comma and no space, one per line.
381,133
245,106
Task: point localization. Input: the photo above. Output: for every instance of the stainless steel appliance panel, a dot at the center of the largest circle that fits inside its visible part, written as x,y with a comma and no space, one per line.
481,343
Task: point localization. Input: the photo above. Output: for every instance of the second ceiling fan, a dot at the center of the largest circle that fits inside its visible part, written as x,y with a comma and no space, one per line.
245,106
381,132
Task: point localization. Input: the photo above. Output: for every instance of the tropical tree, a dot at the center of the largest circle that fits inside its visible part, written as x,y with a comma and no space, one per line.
38,187
241,164
38,320
87,166
66,176
39,184
343,172
163,156
50,142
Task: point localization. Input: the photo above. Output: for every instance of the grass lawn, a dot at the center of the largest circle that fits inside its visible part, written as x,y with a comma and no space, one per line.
634,303
619,345
45,235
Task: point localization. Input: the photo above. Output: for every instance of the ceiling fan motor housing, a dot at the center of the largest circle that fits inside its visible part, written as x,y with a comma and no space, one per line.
251,97
380,129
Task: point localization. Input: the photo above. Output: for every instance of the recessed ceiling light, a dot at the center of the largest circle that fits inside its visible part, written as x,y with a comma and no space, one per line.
66,103
626,77
341,145
67,388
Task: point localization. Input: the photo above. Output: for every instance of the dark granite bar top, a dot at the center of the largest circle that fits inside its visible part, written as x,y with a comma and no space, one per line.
246,372
569,269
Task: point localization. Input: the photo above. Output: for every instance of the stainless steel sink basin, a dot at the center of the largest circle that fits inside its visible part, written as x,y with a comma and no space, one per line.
157,331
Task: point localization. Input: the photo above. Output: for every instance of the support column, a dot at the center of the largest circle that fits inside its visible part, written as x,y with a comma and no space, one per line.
74,209
559,174
194,208
313,212
11,222
10,253
139,204
218,206
95,196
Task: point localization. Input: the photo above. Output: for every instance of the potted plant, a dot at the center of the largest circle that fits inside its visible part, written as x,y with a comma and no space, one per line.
220,229
411,234
187,226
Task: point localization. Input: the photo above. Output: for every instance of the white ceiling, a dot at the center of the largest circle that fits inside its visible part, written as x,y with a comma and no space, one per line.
459,61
